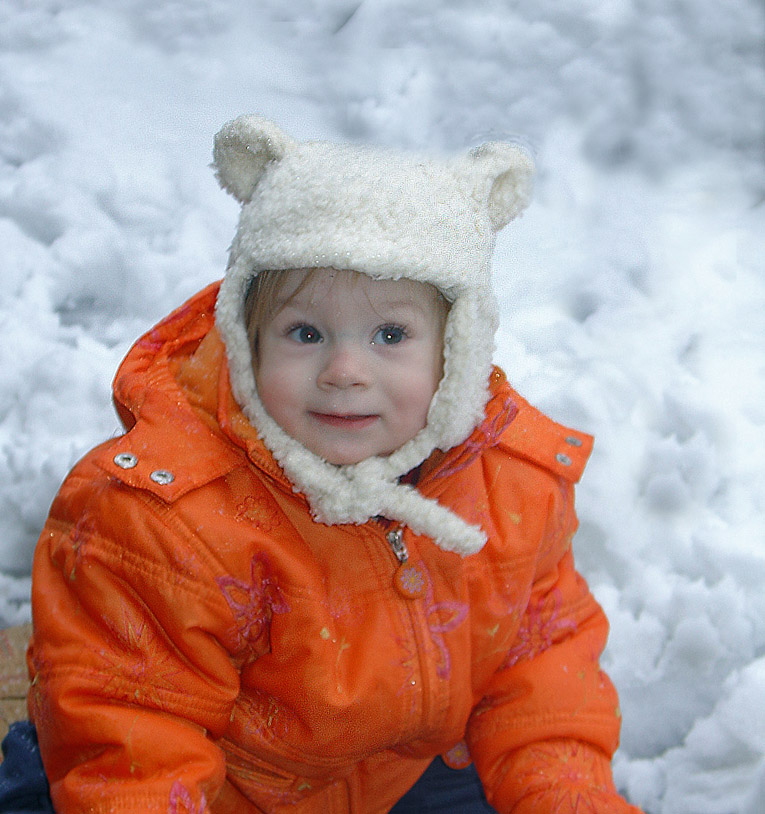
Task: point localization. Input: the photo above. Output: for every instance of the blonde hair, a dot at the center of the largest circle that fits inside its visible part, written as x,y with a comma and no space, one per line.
262,302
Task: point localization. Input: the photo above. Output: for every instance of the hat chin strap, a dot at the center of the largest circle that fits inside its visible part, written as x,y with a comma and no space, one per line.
355,493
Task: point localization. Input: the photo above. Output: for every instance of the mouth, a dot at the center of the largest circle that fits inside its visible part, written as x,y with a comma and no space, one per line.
346,421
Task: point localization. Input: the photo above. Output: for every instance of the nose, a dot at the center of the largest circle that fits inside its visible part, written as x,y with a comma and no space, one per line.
343,367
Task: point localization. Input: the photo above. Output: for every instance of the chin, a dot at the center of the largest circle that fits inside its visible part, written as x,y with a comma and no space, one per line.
345,460
351,458
345,457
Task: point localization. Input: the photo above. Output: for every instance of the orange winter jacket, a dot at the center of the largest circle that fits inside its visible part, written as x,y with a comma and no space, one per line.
202,644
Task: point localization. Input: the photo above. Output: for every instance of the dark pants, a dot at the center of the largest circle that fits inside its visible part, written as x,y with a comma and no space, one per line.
23,785
442,790
24,788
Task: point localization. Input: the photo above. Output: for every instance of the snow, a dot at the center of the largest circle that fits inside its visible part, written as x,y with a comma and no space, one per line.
632,291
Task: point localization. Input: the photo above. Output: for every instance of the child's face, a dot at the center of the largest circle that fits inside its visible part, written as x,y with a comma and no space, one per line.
348,365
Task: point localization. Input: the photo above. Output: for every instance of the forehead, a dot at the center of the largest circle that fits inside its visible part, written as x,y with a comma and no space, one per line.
309,288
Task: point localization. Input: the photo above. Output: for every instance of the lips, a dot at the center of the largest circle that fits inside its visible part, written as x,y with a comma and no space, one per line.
344,421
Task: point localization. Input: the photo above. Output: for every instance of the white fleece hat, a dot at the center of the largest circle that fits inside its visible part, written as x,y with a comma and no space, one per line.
389,215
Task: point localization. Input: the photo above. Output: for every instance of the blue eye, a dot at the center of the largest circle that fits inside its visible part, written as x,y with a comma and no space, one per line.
389,335
305,334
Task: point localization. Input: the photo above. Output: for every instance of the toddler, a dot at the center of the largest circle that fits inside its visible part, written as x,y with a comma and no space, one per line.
328,566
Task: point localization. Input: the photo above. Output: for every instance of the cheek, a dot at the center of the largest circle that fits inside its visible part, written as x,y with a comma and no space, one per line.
418,393
276,391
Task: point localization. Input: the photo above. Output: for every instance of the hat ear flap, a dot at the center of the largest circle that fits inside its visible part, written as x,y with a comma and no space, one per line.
505,178
243,149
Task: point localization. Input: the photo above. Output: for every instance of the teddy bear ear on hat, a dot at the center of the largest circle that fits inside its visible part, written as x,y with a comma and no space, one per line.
503,175
243,149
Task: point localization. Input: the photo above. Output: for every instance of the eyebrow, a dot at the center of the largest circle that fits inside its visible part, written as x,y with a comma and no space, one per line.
400,305
385,305
403,305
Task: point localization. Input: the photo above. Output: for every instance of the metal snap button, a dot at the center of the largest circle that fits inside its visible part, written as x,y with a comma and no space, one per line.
125,460
162,477
574,442
562,458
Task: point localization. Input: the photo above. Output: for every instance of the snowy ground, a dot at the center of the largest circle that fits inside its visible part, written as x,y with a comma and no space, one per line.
633,290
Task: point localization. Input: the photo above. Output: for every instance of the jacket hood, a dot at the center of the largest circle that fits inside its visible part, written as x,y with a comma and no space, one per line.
178,374
389,215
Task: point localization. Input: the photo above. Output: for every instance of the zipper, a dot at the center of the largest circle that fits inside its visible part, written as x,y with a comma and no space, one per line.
409,581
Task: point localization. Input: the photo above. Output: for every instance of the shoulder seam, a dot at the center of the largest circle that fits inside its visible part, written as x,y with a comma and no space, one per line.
538,439
133,460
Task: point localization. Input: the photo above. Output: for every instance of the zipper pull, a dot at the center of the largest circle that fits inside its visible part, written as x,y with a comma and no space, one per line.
409,579
396,541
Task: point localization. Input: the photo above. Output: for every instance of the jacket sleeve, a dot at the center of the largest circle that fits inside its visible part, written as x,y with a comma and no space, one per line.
544,733
130,667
